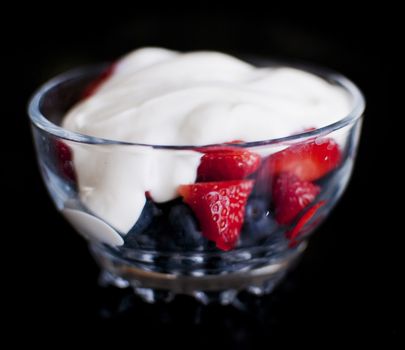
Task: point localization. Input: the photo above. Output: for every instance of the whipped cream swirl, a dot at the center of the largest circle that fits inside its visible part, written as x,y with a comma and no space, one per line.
157,96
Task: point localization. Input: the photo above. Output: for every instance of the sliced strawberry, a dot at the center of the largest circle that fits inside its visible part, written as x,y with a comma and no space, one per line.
64,158
309,161
294,233
220,208
226,164
291,195
95,84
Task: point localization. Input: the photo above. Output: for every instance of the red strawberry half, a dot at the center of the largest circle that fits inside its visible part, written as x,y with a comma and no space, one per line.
227,163
309,161
296,231
65,160
291,195
95,84
220,208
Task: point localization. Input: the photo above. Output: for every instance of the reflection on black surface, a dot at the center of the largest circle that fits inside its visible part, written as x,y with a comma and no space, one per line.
240,324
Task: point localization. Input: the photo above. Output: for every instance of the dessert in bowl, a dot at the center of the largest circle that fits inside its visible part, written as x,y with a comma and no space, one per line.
196,173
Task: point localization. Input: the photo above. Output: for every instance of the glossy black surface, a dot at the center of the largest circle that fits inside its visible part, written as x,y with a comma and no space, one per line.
348,284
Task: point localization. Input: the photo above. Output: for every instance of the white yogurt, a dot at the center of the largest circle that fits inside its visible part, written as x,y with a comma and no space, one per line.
157,96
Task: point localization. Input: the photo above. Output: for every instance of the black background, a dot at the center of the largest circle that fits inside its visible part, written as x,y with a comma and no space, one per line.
348,284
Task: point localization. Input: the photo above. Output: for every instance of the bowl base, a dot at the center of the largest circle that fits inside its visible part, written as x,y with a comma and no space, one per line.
221,288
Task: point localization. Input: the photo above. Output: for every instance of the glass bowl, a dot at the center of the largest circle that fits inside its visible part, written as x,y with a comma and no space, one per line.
170,247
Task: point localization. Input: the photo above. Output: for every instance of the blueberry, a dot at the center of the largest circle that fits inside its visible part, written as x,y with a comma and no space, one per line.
256,210
143,240
277,241
259,222
166,227
184,227
155,236
149,212
141,234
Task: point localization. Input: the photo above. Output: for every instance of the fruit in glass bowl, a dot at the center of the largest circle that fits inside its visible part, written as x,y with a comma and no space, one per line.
206,219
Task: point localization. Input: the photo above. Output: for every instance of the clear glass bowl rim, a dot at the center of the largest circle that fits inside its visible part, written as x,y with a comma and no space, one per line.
40,120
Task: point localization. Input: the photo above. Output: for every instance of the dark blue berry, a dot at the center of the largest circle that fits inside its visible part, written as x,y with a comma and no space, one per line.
184,227
166,227
259,222
144,241
141,235
149,212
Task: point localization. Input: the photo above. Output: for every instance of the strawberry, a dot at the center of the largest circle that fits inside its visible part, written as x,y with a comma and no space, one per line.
291,195
294,233
226,164
309,161
95,84
64,158
220,208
